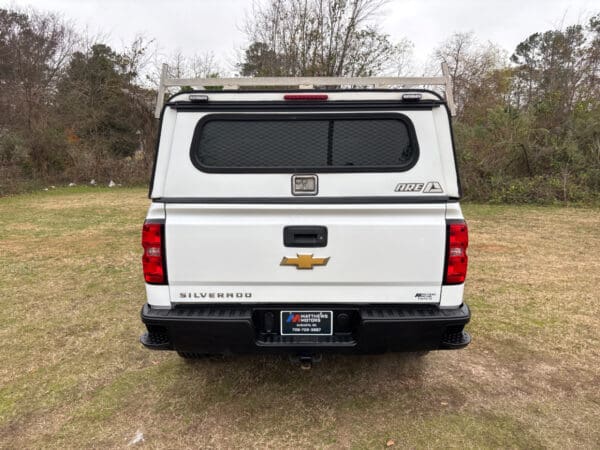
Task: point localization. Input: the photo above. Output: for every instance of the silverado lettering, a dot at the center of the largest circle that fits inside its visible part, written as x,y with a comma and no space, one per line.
215,295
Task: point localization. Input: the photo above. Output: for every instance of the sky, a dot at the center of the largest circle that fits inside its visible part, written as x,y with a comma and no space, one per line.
199,26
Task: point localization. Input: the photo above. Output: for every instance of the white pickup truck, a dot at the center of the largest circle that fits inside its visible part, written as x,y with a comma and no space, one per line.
305,221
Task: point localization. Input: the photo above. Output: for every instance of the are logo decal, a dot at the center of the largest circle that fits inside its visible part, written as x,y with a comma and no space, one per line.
432,187
409,187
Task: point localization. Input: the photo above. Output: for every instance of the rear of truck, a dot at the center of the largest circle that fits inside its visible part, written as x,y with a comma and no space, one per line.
305,222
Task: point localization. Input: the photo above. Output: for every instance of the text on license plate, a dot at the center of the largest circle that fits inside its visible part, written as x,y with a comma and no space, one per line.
308,323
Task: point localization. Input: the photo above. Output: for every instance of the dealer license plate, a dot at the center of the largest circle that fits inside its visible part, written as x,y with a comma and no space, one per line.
306,323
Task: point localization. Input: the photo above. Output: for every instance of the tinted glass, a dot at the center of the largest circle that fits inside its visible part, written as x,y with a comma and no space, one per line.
294,143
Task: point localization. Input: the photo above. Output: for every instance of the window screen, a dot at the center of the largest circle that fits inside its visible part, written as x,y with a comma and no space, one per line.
289,143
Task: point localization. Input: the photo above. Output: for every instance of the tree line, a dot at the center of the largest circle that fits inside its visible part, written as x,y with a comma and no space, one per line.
527,129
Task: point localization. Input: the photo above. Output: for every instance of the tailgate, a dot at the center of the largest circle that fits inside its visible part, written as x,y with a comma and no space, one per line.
375,253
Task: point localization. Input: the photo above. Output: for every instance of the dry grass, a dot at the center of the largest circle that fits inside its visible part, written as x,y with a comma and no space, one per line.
73,374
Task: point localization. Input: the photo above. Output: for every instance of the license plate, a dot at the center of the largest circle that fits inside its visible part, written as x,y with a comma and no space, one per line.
306,323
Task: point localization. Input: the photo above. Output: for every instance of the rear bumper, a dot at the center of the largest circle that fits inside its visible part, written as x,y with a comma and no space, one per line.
222,329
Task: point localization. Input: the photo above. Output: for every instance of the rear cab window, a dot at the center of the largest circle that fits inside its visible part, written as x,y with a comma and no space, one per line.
307,142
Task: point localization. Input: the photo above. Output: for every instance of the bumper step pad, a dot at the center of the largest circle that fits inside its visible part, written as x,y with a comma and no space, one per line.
456,340
156,341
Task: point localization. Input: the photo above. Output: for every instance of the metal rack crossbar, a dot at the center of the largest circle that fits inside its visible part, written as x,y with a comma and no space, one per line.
304,83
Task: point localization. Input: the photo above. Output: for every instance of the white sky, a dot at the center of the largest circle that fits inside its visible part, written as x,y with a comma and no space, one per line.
197,26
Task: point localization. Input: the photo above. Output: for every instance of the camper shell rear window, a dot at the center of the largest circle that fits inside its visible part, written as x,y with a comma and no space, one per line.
288,143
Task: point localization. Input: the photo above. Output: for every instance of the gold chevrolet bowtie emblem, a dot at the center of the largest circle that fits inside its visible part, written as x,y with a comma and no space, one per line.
304,261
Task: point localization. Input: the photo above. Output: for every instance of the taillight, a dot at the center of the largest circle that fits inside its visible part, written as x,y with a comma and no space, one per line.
153,259
456,253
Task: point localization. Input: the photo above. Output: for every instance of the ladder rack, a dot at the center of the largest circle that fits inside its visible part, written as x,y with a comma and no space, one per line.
304,83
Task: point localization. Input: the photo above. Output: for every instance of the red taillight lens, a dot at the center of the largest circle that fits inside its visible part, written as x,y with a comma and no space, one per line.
305,97
456,253
153,258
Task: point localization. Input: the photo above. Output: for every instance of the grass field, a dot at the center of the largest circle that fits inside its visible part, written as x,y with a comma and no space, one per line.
72,373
